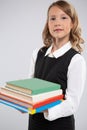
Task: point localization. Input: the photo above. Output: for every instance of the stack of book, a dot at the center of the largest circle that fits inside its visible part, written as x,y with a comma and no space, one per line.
31,95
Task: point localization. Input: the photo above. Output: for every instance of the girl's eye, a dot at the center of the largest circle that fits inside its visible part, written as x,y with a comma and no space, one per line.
52,18
64,17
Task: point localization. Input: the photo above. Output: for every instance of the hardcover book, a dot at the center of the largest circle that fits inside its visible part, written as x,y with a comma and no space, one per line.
33,85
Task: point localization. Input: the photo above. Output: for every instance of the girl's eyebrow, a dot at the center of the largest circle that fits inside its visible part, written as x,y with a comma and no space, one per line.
64,14
52,15
56,15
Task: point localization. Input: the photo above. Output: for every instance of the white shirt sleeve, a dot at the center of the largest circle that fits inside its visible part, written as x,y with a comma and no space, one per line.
75,85
32,63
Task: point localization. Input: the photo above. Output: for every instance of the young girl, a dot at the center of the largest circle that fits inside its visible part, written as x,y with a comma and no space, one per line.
60,61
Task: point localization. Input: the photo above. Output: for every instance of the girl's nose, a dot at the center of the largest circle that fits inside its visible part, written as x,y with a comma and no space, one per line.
57,23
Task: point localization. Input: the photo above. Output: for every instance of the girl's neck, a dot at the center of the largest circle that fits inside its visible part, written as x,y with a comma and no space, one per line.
58,43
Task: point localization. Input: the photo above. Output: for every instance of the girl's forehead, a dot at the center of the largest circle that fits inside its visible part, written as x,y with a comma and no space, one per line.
56,10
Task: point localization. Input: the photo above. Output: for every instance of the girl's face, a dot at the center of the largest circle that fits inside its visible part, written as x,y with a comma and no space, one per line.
59,23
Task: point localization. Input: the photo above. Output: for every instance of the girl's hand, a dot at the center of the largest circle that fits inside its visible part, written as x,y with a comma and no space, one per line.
46,112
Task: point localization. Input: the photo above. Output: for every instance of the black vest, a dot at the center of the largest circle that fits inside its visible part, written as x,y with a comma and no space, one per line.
53,69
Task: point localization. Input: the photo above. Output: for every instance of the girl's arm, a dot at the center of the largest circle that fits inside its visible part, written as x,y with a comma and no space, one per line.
75,85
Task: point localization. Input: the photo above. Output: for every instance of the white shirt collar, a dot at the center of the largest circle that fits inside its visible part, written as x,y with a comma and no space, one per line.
60,51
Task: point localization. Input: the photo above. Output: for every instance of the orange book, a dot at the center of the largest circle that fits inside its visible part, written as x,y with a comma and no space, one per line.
14,100
30,98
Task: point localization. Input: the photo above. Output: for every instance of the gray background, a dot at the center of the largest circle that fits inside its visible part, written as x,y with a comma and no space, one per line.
21,25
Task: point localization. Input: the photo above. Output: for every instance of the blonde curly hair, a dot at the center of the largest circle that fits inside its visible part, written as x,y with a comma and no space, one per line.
75,34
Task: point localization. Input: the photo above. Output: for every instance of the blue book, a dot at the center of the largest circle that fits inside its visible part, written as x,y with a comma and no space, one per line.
16,106
45,107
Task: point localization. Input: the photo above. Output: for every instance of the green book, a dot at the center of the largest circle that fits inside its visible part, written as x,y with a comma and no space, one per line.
33,86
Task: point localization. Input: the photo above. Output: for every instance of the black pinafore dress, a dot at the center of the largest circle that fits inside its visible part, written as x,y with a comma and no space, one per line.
54,70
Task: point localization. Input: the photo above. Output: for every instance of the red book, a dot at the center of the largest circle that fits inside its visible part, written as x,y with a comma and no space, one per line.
47,101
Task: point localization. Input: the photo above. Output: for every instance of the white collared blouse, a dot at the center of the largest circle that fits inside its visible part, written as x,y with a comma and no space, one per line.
76,76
